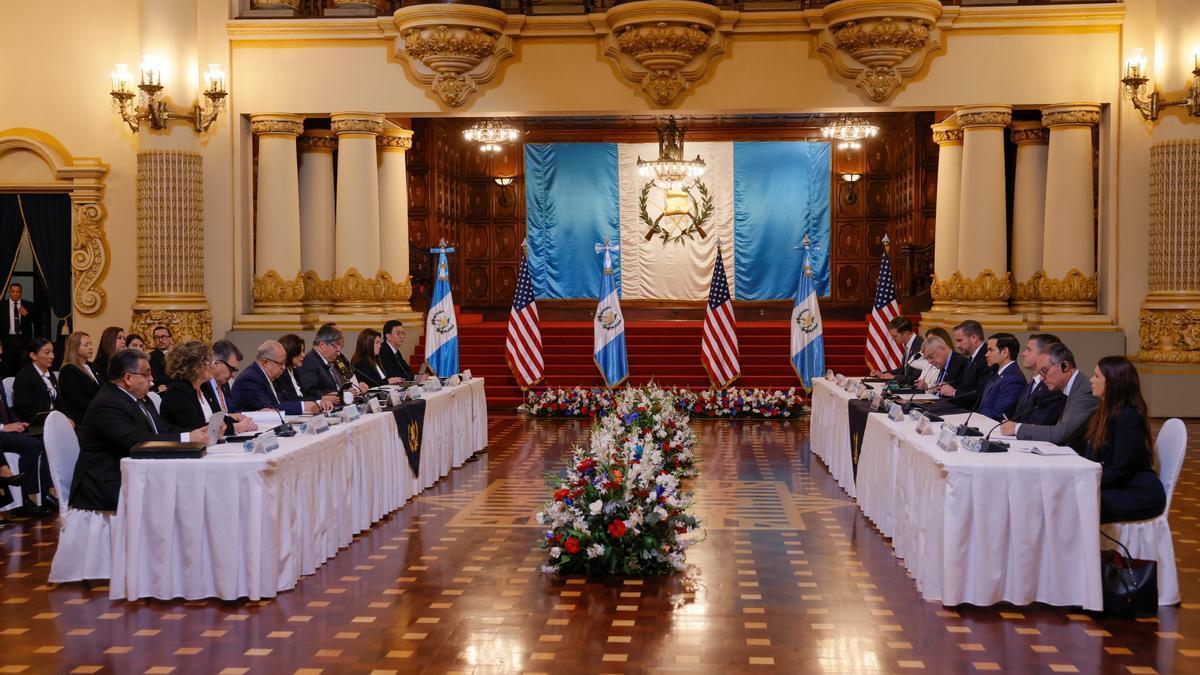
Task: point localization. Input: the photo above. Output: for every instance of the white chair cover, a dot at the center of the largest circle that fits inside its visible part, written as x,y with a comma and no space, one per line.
13,458
84,537
155,399
8,383
1151,539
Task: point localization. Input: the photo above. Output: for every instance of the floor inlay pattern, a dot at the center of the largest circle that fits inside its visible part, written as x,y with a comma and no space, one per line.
789,577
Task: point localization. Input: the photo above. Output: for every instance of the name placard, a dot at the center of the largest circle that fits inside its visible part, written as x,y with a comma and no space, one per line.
350,413
453,381
948,439
373,406
315,425
881,402
923,427
414,392
395,396
263,443
466,375
432,384
840,380
895,413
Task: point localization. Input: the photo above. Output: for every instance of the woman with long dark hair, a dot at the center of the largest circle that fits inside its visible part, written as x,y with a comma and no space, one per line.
112,340
1118,436
365,360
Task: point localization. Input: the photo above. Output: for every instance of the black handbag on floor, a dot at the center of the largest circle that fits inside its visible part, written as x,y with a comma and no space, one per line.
1130,585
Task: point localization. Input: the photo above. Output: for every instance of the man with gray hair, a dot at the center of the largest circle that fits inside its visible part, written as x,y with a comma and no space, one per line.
254,390
1057,368
950,365
318,375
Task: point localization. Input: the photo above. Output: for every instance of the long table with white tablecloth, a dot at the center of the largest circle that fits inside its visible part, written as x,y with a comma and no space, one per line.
978,528
250,525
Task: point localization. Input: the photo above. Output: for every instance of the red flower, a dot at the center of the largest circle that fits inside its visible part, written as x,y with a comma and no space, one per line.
617,528
572,545
559,495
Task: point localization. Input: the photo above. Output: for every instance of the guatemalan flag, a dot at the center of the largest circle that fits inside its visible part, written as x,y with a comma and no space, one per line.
608,329
808,341
441,326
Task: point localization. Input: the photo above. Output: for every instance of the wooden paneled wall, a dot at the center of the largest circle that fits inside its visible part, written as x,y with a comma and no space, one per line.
453,195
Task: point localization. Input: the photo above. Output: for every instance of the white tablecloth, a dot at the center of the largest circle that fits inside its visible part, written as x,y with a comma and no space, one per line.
249,526
829,431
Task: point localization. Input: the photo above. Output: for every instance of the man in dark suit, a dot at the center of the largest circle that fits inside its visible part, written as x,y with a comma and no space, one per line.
18,329
999,397
254,388
390,357
901,330
949,364
1057,367
319,374
118,419
1038,404
158,356
968,339
227,358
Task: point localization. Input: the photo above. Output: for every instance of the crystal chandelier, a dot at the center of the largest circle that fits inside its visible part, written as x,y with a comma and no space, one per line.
849,132
490,134
671,171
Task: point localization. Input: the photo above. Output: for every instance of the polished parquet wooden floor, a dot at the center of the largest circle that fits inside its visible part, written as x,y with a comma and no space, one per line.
790,578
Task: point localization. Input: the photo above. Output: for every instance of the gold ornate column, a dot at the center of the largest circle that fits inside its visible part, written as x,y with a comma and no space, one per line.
949,138
982,283
1069,281
1029,214
317,218
278,286
393,218
357,288
170,244
1170,316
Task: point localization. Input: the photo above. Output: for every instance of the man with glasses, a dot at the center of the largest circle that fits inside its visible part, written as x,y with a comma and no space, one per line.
1060,373
226,360
320,373
118,419
158,356
1038,403
254,389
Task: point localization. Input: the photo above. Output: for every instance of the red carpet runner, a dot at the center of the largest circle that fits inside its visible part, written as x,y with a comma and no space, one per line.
667,351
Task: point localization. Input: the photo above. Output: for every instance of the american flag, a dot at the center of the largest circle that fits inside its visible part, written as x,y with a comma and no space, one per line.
523,346
719,346
882,352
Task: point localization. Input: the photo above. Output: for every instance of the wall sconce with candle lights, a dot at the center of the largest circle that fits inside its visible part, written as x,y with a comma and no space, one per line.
148,103
1135,84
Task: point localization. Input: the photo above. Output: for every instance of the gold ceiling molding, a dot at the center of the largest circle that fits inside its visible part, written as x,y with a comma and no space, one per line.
83,179
879,43
453,48
664,45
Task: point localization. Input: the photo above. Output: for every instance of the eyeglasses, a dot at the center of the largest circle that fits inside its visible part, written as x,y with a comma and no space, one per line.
226,364
144,373
278,363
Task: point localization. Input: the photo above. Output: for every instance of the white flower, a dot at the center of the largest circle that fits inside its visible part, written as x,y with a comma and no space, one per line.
596,506
595,550
555,552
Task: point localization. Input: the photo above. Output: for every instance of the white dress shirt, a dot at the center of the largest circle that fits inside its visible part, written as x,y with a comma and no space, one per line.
46,380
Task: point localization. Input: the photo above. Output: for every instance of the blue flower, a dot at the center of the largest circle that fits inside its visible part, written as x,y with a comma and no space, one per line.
630,418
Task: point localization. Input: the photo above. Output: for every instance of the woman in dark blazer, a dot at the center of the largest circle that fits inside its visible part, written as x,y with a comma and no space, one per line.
112,340
31,393
189,365
78,380
365,360
1118,437
287,385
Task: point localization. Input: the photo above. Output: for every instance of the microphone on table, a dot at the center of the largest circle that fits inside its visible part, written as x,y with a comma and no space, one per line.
987,445
284,429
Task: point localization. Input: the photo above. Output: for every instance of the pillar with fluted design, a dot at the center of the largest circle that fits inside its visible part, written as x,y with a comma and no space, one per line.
982,282
1029,214
393,217
278,287
356,284
1069,281
317,218
945,248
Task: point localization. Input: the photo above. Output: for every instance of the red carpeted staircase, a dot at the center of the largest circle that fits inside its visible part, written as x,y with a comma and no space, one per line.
667,351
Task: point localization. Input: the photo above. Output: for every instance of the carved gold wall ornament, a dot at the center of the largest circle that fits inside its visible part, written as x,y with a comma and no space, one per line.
664,45
395,293
1031,290
1170,335
947,136
985,287
983,118
276,126
879,43
82,178
354,292
317,289
452,47
185,324
275,4
1053,118
395,140
271,289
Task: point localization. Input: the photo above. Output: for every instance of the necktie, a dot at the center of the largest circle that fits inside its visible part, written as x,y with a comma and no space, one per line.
149,418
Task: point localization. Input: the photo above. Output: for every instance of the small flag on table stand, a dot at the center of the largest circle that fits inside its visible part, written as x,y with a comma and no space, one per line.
719,345
441,325
808,333
608,327
883,354
523,346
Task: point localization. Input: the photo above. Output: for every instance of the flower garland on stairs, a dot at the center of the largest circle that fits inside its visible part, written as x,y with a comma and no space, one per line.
732,403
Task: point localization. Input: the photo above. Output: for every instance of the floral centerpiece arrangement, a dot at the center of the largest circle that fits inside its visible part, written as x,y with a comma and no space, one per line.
619,507
730,403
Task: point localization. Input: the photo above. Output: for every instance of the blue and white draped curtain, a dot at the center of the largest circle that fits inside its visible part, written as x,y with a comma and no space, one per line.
765,198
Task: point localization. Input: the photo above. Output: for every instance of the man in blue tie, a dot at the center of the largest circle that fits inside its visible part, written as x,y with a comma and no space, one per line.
999,398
